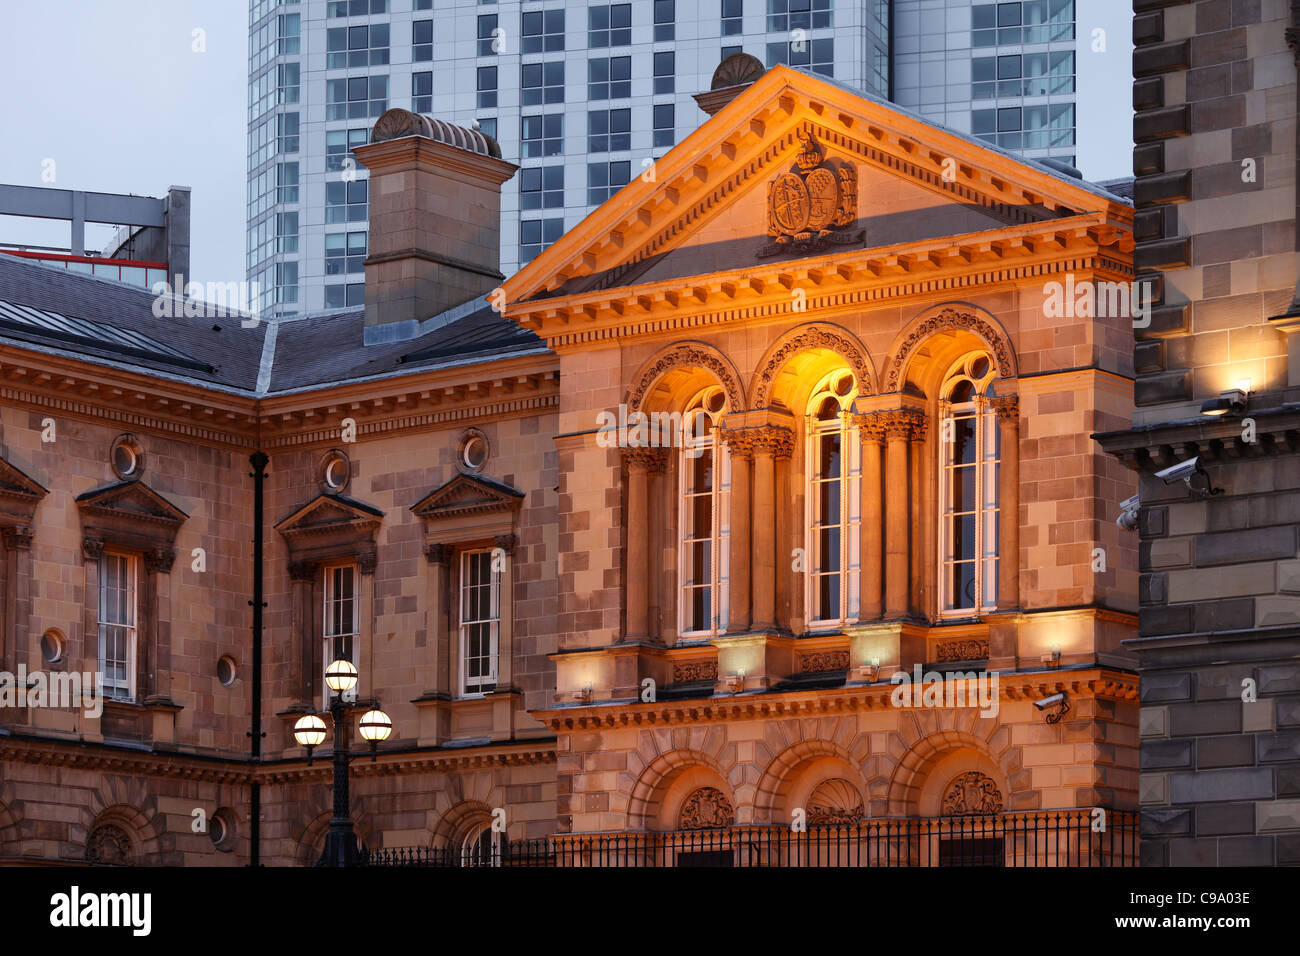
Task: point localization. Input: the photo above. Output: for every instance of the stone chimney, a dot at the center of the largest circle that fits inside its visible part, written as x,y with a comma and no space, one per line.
733,76
435,220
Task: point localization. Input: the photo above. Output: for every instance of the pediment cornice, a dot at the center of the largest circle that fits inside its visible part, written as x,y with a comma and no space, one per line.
468,495
129,514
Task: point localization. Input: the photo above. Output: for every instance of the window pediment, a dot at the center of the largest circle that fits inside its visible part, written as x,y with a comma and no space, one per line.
330,526
129,513
469,495
19,495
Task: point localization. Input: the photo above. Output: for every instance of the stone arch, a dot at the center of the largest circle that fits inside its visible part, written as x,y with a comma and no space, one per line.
937,753
949,317
311,839
684,356
454,825
814,335
795,773
121,835
664,786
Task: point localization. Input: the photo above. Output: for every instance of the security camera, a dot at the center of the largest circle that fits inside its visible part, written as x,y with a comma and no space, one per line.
1057,700
1051,701
1128,513
1182,471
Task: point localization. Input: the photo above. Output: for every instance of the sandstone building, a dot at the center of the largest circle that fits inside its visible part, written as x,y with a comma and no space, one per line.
870,455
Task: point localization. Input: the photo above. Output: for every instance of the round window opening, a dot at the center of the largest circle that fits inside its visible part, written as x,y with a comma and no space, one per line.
217,831
53,647
126,457
335,472
227,671
474,452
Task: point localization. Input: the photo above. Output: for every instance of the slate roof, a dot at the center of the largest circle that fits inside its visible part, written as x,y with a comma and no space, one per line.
311,351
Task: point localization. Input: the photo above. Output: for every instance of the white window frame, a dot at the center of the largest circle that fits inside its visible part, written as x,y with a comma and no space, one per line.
987,468
850,493
493,621
129,609
720,530
469,847
332,575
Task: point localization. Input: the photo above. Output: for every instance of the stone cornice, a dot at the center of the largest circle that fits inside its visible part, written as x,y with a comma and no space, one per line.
1152,447
1098,682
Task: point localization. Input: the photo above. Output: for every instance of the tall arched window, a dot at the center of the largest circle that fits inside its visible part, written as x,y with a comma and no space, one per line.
705,520
834,457
969,455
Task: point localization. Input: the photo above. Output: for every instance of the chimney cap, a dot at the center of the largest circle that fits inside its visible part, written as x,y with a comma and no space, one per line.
739,69
397,123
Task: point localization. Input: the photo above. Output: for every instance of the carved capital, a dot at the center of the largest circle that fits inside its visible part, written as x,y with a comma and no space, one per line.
905,424
367,560
644,459
159,560
774,441
438,553
740,444
92,549
1006,407
301,570
18,538
506,542
871,427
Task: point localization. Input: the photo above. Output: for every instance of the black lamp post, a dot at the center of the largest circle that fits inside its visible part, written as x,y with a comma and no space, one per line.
340,677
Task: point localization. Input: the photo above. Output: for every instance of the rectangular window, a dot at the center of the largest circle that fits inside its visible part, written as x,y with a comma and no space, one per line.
339,296
356,97
356,47
786,15
969,489
488,126
487,87
342,617
487,35
542,83
733,18
421,41
664,124
339,144
286,133
541,135
816,55
665,70
286,182
357,8
480,622
541,31
345,253
834,509
665,20
605,179
609,130
541,187
422,92
118,575
288,83
290,34
609,26
609,78
286,232
286,282
345,201
536,234
705,528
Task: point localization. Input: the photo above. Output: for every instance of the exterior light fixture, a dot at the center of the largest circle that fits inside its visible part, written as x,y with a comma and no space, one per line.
341,676
309,731
1231,401
375,726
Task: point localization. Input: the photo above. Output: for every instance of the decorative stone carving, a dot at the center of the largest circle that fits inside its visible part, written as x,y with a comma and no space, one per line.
689,355
159,560
835,801
971,792
92,549
973,650
824,661
905,423
813,337
1006,407
645,459
809,206
772,440
109,845
706,809
871,427
506,542
438,553
18,538
688,671
949,318
367,561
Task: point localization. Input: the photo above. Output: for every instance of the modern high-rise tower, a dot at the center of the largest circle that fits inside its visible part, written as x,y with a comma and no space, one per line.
583,96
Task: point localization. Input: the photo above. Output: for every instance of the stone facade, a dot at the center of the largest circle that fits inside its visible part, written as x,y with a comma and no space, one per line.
1215,90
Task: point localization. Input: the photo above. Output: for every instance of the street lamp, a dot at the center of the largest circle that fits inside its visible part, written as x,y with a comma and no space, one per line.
309,731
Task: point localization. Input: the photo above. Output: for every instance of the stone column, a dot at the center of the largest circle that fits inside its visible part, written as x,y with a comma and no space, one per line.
900,427
740,448
871,428
15,642
917,492
437,646
156,650
302,660
769,444
1007,408
640,462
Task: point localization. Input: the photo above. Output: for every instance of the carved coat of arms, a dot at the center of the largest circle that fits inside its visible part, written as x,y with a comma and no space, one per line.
810,206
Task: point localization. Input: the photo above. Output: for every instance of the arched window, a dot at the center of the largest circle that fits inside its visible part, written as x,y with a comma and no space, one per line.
833,497
968,488
481,847
705,470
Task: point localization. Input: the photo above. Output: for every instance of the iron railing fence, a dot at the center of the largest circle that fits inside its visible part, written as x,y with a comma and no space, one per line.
1069,838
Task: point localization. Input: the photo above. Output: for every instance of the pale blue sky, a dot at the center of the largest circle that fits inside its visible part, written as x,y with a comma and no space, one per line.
113,92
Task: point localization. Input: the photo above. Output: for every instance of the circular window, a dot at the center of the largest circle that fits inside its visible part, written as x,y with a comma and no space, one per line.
227,671
473,451
217,831
126,457
221,830
335,472
53,646
714,402
843,385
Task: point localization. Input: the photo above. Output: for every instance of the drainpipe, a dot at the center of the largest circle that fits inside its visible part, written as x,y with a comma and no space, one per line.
259,461
1293,41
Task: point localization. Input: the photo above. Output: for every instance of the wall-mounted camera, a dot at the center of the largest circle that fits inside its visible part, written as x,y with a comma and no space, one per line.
1057,700
1128,513
1185,471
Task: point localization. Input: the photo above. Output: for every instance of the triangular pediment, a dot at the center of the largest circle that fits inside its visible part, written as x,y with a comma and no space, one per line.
468,495
795,167
17,485
129,500
327,514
